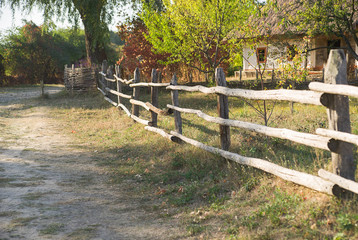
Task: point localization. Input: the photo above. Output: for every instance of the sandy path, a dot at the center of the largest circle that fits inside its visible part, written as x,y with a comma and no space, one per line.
51,190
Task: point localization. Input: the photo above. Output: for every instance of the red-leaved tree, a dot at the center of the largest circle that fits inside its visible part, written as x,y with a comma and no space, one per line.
138,52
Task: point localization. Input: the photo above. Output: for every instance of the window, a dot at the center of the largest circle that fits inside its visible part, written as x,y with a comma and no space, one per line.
261,54
333,44
336,43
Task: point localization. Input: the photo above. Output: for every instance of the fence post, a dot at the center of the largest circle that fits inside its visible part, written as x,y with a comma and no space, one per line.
65,77
154,96
175,102
160,77
73,77
110,76
338,114
119,84
136,91
223,109
104,70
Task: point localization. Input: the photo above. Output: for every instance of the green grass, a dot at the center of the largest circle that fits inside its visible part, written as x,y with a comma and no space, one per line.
20,222
236,202
52,229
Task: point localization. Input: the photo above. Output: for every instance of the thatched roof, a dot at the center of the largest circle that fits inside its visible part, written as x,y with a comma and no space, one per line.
275,20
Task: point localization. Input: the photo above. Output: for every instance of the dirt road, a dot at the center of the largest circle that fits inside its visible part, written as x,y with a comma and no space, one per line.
50,189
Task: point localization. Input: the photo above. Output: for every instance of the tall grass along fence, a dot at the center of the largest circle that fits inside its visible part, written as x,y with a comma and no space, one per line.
79,79
333,94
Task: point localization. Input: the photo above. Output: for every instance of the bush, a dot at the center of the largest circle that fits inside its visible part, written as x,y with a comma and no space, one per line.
32,53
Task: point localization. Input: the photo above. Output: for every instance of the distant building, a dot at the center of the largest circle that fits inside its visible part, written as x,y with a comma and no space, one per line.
277,43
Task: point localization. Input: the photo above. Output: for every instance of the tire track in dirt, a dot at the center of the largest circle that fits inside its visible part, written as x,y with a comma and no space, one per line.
51,190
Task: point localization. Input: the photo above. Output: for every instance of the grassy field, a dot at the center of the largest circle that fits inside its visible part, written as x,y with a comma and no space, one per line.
213,198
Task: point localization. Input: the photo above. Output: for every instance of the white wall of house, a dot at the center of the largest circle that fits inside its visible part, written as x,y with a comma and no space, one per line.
275,54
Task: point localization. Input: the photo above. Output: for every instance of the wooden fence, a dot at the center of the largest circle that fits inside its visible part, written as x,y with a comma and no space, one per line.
333,94
79,79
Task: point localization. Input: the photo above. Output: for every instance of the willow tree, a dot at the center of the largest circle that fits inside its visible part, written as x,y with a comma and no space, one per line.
94,14
197,32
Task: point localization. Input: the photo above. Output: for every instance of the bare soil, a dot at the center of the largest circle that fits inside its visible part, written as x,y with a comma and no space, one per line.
51,189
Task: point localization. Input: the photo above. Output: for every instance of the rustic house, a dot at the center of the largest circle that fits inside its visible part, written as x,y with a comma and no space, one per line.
276,43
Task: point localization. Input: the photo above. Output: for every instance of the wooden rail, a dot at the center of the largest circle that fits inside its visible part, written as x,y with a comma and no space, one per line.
338,139
343,136
345,90
300,178
149,84
299,96
139,103
307,139
125,81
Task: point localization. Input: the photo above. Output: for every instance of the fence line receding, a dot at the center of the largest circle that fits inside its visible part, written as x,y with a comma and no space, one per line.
338,139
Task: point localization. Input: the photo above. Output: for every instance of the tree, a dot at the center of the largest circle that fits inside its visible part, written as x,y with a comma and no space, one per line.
197,32
137,51
33,54
331,17
94,14
2,68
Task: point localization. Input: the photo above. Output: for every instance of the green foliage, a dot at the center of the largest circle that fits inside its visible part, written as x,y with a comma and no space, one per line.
94,14
291,67
199,33
32,53
330,17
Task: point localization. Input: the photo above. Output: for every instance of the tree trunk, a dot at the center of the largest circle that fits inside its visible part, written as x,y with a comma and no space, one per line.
88,41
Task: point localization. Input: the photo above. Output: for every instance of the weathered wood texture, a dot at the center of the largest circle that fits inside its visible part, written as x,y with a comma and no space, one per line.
125,81
104,73
156,110
300,178
142,121
300,96
80,79
175,102
163,133
101,91
149,84
340,181
125,109
223,109
139,103
345,90
346,137
338,114
136,91
110,101
154,97
109,79
119,84
118,93
298,137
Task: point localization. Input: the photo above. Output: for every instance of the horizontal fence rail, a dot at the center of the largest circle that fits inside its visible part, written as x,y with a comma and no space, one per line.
307,139
300,178
346,90
299,96
333,139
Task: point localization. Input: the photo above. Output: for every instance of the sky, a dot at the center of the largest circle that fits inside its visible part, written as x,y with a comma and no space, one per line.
8,21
